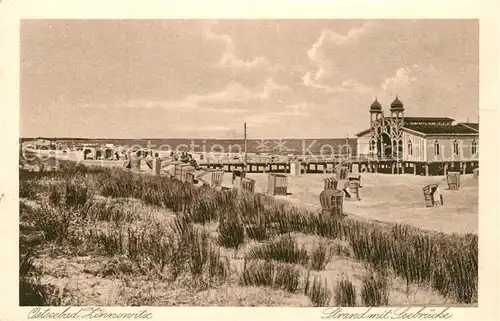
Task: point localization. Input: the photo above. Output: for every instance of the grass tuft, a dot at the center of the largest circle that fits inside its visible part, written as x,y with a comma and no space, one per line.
271,274
374,292
345,293
318,292
284,249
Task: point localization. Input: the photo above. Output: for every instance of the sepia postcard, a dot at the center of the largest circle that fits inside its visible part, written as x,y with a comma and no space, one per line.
162,158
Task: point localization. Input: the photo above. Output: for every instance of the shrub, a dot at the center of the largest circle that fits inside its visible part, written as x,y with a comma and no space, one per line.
54,195
76,194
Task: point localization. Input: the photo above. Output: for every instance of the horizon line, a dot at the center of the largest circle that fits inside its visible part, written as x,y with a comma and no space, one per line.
183,138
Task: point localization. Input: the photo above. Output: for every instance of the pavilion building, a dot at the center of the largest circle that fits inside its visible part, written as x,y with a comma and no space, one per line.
418,145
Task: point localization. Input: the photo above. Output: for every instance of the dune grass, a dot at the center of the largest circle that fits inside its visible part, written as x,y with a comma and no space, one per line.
448,263
271,274
345,293
375,291
318,292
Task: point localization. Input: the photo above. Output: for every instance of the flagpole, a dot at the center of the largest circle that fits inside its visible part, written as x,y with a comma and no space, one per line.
245,156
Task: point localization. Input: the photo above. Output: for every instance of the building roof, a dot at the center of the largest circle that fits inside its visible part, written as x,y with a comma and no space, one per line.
410,122
435,129
424,119
361,133
474,126
438,129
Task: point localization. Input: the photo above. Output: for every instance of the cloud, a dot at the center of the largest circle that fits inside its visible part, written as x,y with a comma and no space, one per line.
325,67
233,92
402,77
406,83
310,80
355,86
229,58
417,83
198,73
346,86
329,35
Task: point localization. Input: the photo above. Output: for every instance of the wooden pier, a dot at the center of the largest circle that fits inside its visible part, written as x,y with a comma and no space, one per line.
370,166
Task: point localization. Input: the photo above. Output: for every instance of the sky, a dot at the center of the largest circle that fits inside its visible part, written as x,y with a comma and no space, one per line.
205,78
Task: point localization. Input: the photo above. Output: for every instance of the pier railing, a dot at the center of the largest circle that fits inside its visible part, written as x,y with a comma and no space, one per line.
307,159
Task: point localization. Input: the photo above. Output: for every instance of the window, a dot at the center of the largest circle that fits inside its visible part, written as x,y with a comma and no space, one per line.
455,147
436,148
410,148
372,145
474,147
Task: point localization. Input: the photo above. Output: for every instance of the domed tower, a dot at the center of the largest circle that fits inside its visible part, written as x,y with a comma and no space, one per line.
397,108
397,122
376,108
376,124
376,113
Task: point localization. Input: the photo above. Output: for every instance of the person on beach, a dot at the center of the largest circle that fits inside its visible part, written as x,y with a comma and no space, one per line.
184,157
194,163
345,189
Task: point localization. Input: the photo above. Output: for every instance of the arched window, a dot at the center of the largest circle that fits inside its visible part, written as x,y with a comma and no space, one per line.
455,147
410,148
474,147
372,145
436,148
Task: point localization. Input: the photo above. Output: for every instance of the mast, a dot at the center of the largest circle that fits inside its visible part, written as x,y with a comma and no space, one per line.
245,155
